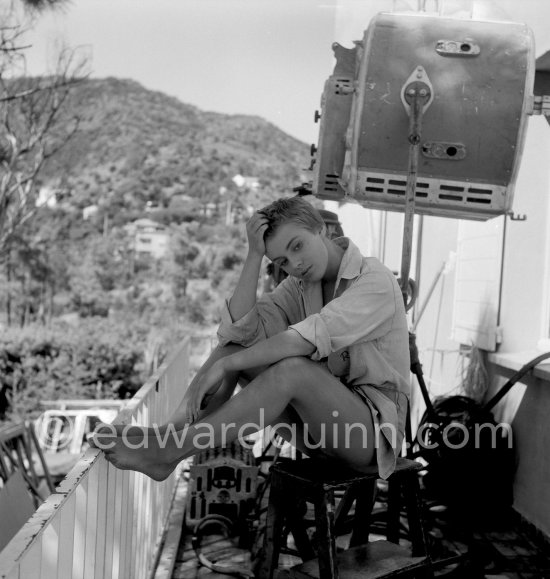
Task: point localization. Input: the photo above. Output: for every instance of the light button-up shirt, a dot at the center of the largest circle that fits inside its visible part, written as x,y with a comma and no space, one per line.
361,335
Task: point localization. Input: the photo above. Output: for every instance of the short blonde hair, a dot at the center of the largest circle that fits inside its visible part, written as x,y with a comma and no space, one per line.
291,209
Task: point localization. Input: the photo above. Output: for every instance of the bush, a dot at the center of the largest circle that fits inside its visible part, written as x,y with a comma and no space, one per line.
230,259
96,359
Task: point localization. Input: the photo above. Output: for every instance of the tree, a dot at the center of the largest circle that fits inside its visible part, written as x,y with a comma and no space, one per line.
33,126
182,255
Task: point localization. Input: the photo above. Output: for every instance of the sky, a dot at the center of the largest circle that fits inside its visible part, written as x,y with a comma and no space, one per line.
261,57
256,57
268,58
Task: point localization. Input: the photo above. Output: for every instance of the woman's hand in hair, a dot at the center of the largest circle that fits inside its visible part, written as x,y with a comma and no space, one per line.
255,230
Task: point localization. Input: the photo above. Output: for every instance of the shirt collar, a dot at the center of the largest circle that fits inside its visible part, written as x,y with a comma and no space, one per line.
350,266
352,260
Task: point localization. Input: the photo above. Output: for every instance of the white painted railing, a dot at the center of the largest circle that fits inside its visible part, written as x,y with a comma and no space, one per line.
104,523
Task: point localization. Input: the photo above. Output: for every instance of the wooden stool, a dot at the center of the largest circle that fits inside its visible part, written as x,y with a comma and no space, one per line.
316,481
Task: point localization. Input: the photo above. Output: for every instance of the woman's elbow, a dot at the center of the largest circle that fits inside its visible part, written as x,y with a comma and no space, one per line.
299,345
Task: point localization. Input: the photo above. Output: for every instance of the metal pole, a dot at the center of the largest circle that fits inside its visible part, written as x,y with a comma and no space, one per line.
417,108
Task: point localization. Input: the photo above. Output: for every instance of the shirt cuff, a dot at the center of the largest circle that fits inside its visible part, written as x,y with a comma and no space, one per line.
314,330
243,331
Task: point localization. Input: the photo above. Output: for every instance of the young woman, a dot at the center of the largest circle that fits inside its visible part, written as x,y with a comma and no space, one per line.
325,356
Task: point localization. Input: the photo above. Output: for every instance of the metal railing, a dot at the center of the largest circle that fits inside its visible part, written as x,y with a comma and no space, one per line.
102,522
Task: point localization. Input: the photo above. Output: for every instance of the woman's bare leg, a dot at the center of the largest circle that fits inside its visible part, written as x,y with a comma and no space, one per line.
332,416
224,391
291,430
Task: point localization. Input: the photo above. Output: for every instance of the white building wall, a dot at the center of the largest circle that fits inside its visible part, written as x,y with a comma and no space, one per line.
524,318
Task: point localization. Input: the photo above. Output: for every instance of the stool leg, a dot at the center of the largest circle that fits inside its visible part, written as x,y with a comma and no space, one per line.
418,536
366,494
393,522
297,526
342,510
325,539
274,527
411,492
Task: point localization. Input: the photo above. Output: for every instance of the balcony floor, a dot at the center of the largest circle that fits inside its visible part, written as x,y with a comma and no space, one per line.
506,549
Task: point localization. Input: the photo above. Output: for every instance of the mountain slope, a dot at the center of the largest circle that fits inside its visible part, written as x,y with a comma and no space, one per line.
135,145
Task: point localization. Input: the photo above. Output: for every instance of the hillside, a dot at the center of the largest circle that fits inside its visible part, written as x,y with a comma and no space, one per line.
83,313
135,145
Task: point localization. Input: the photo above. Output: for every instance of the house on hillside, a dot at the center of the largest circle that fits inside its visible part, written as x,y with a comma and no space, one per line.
150,238
209,209
47,197
244,182
150,206
89,211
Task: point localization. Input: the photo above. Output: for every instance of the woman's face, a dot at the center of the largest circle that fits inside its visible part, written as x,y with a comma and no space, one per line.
299,251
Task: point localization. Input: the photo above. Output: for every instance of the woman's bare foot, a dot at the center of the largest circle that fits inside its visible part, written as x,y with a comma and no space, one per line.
133,431
152,455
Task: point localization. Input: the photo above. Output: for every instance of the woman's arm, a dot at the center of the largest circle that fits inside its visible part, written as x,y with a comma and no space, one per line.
244,296
283,345
267,352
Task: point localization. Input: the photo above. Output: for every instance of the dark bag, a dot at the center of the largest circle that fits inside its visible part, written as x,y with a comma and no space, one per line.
470,458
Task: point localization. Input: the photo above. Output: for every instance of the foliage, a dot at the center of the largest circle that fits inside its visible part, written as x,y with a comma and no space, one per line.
93,359
86,316
136,146
34,6
33,120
